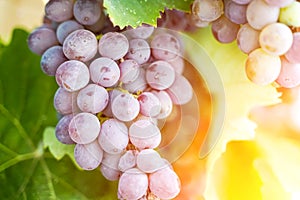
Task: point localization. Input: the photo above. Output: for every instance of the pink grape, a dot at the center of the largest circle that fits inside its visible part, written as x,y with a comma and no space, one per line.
127,160
224,30
259,14
65,28
149,161
112,95
276,38
72,75
292,55
40,39
164,183
80,45
235,12
84,128
208,10
149,104
88,156
289,76
109,166
65,102
139,84
177,64
279,3
181,91
59,10
129,70
166,104
113,45
165,46
93,98
51,59
104,71
142,32
262,68
139,51
160,75
144,134
113,136
133,184
125,107
87,12
242,2
247,38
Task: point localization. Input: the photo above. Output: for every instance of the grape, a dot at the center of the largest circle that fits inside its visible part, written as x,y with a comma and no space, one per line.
260,14
276,39
104,71
139,84
112,95
279,3
247,38
109,166
290,15
62,130
262,68
149,161
87,12
93,98
208,10
133,184
165,46
176,91
80,45
109,173
175,20
160,75
65,28
144,134
242,2
289,76
99,25
59,10
166,104
88,156
113,136
164,183
129,71
113,45
149,104
143,32
127,160
125,107
177,64
235,12
84,128
139,51
293,53
224,30
51,59
41,39
65,102
72,75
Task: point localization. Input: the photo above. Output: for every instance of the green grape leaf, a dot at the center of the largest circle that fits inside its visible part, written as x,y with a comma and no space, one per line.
134,13
27,169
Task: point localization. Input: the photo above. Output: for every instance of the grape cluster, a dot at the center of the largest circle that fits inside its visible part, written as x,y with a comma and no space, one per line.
268,31
116,88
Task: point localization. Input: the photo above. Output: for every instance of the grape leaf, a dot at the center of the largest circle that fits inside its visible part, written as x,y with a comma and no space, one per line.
27,170
134,13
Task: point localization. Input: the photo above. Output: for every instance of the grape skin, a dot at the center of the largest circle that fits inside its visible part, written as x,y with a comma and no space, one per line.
65,28
262,68
80,45
59,10
87,12
62,130
72,75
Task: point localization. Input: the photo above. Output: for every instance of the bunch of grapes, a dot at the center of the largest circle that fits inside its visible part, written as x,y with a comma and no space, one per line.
116,88
268,31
